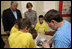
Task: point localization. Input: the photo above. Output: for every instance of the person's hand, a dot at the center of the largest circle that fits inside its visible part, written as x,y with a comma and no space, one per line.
32,26
46,45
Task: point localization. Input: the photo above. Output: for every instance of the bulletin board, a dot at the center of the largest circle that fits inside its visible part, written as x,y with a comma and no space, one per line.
65,8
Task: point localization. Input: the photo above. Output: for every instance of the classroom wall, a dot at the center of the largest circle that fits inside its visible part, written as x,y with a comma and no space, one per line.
39,9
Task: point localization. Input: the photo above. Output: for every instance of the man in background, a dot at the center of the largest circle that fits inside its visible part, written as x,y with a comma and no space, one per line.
9,16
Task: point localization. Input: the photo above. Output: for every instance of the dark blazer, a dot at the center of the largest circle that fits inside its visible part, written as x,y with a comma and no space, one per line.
9,19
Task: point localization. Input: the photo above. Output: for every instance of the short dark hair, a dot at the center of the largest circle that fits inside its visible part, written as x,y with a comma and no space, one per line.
24,22
40,16
53,15
28,5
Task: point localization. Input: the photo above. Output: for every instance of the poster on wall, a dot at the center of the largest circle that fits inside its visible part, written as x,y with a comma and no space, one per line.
65,8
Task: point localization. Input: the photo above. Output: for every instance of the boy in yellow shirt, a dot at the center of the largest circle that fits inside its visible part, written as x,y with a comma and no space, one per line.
15,29
41,26
22,38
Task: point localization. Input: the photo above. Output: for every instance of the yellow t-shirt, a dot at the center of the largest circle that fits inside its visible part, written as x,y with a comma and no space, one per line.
41,28
21,40
13,30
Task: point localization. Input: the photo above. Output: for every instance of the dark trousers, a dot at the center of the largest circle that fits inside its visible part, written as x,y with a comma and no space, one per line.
2,43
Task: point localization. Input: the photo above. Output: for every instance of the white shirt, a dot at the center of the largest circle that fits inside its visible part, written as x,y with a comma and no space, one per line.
15,14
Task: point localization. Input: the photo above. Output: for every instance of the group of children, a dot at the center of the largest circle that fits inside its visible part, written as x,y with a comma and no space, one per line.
22,37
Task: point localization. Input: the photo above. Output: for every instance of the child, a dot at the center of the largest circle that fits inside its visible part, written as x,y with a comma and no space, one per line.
22,38
41,27
15,27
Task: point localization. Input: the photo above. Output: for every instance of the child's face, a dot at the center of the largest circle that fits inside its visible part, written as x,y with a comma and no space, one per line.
41,20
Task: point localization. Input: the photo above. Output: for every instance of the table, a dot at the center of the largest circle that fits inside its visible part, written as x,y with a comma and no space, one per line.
42,36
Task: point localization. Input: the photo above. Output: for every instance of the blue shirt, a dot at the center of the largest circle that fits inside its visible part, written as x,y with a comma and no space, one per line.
15,14
62,37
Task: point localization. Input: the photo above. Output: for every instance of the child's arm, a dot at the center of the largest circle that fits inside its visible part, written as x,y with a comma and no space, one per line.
49,33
